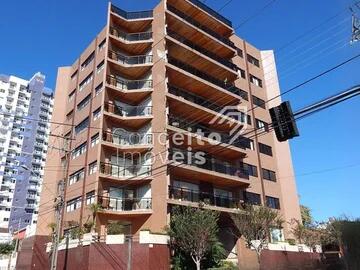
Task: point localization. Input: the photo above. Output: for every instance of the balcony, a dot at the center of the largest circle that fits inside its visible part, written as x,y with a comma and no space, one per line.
185,164
129,85
132,15
130,66
179,195
203,51
128,115
31,196
228,87
30,206
226,146
128,206
131,141
32,187
131,37
123,172
196,24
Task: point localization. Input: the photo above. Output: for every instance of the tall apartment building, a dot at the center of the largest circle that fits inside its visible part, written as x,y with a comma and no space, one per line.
23,148
147,79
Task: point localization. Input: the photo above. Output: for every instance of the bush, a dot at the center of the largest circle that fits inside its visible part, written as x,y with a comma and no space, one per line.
291,241
115,228
6,248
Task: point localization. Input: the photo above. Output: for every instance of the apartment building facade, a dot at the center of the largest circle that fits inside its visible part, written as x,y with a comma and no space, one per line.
26,108
140,104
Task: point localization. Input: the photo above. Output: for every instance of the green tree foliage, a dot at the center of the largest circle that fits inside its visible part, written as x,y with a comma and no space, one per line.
254,224
306,217
193,233
6,248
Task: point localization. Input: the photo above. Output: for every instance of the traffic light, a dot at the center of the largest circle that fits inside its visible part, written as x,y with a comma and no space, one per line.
283,122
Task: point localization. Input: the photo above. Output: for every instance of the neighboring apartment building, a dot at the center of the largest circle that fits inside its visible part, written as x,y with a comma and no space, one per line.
146,78
25,111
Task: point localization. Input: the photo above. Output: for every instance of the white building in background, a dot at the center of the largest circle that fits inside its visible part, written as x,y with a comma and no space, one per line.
25,109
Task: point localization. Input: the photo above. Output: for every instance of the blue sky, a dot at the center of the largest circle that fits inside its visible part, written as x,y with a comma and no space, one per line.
40,35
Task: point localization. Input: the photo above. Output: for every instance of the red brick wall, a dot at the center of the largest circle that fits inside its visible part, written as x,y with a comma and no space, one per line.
96,256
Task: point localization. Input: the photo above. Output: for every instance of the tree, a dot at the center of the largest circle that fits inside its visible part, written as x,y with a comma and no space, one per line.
6,248
254,224
193,231
306,216
94,208
298,230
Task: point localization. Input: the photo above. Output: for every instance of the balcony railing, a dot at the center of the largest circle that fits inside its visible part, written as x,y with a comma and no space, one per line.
130,60
196,196
202,27
130,36
121,171
210,163
227,86
192,45
132,15
187,125
128,110
127,138
199,100
124,204
129,84
211,12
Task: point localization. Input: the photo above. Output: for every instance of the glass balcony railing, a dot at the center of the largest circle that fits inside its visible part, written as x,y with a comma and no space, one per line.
226,86
195,23
196,196
186,125
121,171
132,15
192,45
142,36
130,60
127,138
124,204
128,110
210,164
129,84
211,12
200,101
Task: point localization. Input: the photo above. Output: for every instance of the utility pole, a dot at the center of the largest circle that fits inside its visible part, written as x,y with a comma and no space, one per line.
59,206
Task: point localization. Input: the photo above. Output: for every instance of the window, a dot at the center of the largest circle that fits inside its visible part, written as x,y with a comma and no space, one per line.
272,202
78,151
258,102
73,76
73,204
241,73
95,140
269,175
251,170
100,67
256,81
253,60
265,149
90,197
70,115
252,198
82,126
252,146
87,61
239,52
82,104
76,177
71,95
85,82
93,167
102,44
97,113
99,89
245,118
6,219
262,125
